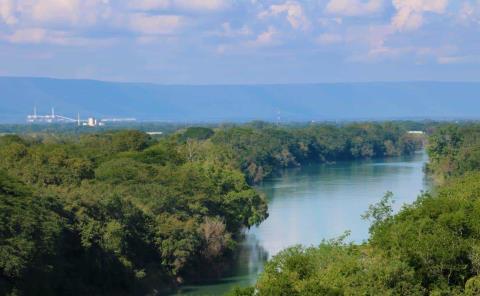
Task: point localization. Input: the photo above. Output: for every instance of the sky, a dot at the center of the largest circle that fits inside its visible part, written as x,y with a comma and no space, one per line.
241,41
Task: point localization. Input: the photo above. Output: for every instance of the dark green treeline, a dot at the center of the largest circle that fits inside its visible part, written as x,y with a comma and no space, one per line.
431,247
122,213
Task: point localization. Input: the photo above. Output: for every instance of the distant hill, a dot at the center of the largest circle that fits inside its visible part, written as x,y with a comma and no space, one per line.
295,102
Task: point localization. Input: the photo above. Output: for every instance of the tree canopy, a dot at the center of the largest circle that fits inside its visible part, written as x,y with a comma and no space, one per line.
119,212
430,247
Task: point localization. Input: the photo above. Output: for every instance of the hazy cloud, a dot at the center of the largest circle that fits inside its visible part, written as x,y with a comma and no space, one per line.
202,33
265,38
409,15
155,24
353,7
149,4
54,37
62,12
7,12
469,12
202,5
329,38
292,10
228,31
467,59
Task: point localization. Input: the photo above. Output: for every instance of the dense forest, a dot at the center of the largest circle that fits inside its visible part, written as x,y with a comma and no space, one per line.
454,150
121,213
114,213
260,149
431,247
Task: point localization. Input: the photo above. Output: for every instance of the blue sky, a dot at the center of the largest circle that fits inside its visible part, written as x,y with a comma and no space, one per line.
248,41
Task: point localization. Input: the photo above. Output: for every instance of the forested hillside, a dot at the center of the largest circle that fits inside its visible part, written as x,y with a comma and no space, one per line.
431,247
122,213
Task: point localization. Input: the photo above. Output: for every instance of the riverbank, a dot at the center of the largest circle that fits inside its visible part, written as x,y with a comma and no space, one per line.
430,247
316,202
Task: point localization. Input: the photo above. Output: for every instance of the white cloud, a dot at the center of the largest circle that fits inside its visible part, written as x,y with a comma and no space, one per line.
353,7
466,11
72,12
409,15
228,31
329,38
330,21
468,59
388,53
381,51
469,12
265,38
7,12
371,40
146,39
294,14
198,5
202,4
56,10
149,4
57,37
155,24
30,35
372,36
451,60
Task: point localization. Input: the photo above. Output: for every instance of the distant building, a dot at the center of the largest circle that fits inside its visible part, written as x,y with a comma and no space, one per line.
49,118
93,122
416,132
55,118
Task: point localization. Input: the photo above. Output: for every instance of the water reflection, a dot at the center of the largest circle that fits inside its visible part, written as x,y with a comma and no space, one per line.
317,202
247,265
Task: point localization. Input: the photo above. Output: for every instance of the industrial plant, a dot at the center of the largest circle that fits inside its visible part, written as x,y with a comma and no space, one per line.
56,118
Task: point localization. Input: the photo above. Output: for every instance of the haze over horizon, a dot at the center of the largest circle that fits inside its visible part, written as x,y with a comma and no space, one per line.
238,103
241,42
242,83
231,60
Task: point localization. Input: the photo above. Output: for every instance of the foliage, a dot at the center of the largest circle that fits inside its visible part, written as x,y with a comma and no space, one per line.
454,150
119,212
336,269
431,247
261,149
380,212
197,133
115,212
31,232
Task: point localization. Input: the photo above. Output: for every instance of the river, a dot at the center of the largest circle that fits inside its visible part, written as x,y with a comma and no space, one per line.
316,202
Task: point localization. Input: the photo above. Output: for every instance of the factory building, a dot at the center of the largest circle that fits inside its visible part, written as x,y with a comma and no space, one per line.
55,118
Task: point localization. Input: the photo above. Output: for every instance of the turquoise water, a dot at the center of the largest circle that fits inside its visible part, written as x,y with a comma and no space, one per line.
312,203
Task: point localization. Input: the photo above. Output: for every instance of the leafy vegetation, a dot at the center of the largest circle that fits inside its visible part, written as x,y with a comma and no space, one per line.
115,213
454,150
431,247
118,212
261,149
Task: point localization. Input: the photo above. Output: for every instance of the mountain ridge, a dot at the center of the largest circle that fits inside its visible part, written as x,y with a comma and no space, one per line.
239,102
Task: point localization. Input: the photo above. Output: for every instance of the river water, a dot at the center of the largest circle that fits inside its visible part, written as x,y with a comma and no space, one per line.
316,202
